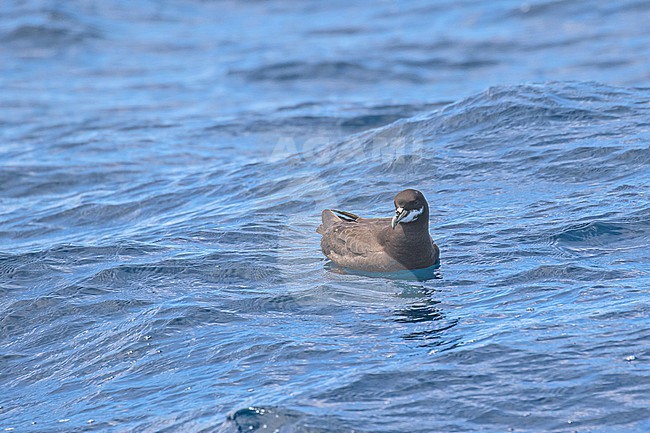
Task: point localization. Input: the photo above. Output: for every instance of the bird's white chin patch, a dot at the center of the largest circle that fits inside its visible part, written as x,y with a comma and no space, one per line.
412,215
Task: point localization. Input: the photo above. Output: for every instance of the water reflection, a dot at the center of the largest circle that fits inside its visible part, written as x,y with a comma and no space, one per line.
424,274
425,320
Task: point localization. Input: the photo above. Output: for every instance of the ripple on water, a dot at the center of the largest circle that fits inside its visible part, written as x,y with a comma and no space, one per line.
604,237
178,283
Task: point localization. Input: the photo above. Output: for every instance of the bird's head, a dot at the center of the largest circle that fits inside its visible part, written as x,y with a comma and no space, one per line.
410,205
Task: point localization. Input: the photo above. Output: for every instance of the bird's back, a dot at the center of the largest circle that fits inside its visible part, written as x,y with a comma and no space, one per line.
381,244
359,243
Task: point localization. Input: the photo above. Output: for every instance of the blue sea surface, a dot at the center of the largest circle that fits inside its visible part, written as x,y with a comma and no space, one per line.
164,164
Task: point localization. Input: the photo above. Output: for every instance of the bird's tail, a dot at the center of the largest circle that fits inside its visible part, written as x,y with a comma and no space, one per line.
333,216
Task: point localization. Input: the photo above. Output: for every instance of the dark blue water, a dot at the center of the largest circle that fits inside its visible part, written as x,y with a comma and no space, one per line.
164,165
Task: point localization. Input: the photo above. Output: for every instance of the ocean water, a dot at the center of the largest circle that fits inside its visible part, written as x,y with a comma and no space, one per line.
163,166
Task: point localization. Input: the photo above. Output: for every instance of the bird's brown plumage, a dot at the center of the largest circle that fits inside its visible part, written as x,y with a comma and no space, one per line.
372,245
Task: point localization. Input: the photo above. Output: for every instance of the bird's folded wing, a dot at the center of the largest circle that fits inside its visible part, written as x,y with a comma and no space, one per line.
345,239
345,216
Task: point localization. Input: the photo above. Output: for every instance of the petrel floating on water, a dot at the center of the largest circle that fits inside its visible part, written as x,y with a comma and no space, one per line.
381,244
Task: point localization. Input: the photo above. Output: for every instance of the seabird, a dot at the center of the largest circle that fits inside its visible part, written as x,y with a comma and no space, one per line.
381,244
